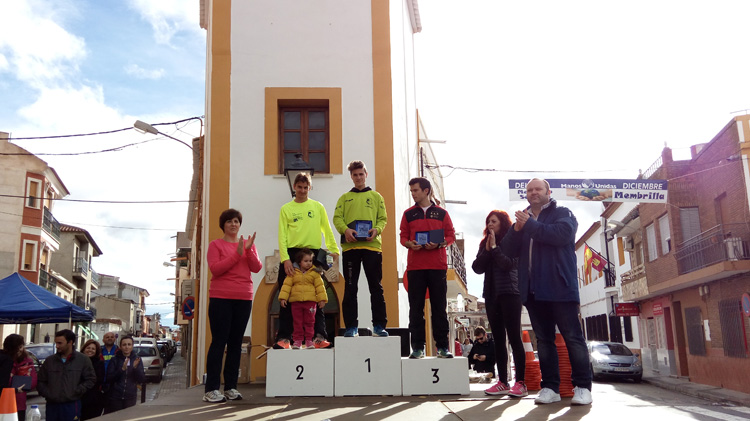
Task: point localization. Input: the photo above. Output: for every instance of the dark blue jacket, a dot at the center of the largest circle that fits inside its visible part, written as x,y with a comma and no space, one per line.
551,237
123,384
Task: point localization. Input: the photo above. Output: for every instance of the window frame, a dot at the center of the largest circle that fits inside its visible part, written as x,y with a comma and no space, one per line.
651,242
34,253
38,197
304,132
665,235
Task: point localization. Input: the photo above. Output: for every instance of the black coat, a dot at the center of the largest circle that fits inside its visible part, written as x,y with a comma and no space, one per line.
500,272
123,384
486,348
92,402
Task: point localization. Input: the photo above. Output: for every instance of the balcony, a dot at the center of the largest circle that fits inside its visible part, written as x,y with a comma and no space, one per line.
81,267
722,243
51,225
456,261
95,281
47,282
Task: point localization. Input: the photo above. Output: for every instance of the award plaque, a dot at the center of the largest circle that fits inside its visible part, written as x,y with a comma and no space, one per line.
362,229
422,237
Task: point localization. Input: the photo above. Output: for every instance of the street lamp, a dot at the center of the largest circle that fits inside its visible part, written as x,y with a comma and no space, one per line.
143,127
167,265
297,166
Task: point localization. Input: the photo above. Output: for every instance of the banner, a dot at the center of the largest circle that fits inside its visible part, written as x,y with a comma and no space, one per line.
598,190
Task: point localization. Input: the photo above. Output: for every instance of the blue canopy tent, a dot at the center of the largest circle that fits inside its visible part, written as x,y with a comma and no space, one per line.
22,302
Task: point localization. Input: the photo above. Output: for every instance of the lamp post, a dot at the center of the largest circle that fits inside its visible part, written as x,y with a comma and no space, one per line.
297,166
143,127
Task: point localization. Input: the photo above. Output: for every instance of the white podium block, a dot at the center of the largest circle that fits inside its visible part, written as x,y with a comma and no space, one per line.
368,366
299,372
435,376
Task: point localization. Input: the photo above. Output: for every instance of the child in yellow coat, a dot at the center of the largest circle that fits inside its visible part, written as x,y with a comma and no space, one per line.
303,290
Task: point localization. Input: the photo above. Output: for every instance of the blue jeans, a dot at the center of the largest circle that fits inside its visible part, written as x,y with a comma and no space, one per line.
545,315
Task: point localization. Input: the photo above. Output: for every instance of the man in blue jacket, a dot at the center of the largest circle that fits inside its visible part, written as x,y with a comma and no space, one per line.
543,239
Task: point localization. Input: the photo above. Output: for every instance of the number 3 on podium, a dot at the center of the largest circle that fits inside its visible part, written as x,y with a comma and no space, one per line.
435,375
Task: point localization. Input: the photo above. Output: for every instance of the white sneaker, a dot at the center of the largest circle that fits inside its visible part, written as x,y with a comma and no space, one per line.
214,396
547,395
232,394
581,396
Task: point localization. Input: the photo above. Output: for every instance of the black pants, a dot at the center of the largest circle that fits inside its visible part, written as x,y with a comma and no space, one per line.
285,313
420,281
504,315
114,405
228,320
373,264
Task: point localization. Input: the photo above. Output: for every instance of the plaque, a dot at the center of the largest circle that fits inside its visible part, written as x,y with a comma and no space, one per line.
363,230
422,237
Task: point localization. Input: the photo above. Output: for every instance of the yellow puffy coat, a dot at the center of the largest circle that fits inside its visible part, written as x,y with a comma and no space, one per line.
307,286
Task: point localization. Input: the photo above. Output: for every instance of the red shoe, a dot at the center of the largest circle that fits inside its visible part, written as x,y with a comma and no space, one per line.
321,343
518,390
499,388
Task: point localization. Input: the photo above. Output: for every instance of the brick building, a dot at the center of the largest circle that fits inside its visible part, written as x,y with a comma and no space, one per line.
696,263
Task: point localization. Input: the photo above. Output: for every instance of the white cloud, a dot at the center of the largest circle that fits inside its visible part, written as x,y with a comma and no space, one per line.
168,17
36,47
3,63
141,73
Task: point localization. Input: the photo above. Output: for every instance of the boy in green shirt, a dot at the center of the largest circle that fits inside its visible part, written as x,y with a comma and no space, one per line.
360,217
301,222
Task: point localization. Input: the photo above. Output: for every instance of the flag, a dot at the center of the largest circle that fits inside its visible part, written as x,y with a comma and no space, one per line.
587,256
597,261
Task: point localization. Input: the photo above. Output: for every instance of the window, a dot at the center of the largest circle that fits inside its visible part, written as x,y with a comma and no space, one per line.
304,130
651,238
694,324
732,330
29,255
690,223
285,134
666,238
33,193
626,323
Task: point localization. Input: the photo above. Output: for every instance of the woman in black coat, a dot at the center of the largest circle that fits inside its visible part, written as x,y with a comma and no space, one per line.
92,403
503,302
124,373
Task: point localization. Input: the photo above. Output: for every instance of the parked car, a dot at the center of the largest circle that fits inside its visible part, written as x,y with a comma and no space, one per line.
153,364
164,351
612,359
169,350
179,343
40,352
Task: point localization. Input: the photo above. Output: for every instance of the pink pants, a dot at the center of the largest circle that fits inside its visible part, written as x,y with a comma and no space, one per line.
303,315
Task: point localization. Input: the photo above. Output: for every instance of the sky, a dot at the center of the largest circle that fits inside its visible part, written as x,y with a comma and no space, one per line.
575,89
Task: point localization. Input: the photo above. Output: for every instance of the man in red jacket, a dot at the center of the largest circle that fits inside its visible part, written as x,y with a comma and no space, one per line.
426,230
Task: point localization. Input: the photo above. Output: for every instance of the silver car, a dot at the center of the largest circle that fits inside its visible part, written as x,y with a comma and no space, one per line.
152,361
611,359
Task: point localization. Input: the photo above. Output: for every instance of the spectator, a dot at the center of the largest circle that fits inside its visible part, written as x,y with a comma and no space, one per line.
124,373
23,365
482,355
92,403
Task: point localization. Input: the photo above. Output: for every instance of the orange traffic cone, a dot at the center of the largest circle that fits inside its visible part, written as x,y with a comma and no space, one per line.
8,409
532,375
566,371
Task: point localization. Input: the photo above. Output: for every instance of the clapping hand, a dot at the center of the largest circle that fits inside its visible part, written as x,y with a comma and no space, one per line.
242,245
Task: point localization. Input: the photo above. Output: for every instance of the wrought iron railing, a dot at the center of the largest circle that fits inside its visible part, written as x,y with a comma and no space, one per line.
456,261
46,281
633,274
721,243
51,225
81,265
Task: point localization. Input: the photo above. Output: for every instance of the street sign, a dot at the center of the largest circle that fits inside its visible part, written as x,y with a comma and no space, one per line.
658,309
188,308
626,309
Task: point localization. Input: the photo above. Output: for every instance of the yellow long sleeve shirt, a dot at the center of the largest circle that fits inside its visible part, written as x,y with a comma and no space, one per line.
301,225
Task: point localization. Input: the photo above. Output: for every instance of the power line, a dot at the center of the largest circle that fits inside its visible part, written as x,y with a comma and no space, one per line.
105,132
95,225
115,149
102,201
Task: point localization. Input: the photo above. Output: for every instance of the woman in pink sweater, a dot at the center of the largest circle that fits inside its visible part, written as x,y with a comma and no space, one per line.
232,260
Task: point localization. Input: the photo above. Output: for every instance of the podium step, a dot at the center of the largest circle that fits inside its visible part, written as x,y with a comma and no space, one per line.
299,372
435,376
367,366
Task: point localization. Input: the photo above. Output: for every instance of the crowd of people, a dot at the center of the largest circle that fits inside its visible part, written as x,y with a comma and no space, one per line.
76,385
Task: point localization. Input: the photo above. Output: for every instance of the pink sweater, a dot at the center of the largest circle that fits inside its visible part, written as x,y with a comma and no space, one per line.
232,278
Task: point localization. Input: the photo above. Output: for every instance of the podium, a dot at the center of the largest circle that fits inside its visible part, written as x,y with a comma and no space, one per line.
362,366
367,366
299,372
435,376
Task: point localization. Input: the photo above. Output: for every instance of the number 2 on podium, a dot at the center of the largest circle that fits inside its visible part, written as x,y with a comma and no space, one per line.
300,370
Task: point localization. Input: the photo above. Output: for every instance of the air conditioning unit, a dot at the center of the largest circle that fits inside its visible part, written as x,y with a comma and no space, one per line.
629,244
736,249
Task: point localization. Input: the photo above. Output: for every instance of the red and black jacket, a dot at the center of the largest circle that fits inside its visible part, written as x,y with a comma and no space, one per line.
415,220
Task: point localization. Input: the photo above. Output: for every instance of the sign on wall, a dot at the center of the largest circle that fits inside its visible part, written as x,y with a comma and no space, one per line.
626,309
598,190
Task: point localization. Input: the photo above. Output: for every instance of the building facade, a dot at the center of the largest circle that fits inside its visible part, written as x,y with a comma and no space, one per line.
696,263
